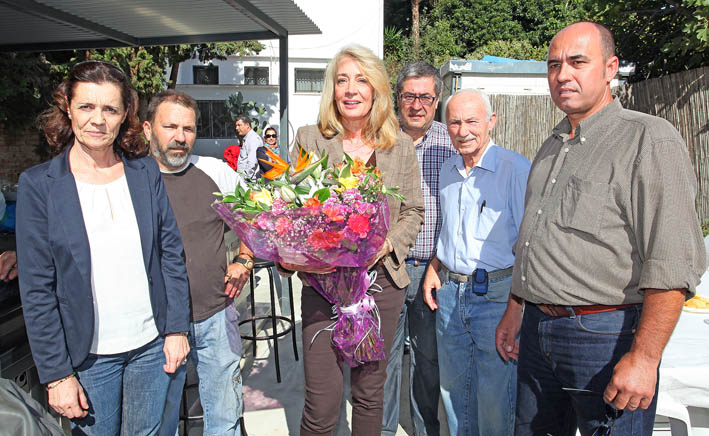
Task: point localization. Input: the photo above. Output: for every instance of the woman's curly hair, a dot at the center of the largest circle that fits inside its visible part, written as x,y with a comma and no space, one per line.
56,125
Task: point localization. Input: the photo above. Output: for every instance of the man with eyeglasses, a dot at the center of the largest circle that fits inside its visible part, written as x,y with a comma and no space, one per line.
608,250
419,88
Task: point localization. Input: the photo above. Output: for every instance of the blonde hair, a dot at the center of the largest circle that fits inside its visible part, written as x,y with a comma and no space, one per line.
382,126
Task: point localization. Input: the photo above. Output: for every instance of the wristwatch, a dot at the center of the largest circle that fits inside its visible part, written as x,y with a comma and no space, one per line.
248,263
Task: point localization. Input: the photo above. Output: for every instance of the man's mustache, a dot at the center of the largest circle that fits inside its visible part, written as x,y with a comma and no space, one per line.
468,137
174,145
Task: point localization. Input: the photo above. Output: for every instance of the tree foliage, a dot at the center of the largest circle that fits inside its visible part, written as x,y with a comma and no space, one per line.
24,82
235,106
660,37
474,28
28,79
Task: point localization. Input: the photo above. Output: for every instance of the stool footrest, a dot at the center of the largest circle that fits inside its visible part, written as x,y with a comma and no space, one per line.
279,334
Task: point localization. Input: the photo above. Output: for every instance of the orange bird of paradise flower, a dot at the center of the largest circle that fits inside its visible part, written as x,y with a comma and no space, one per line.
280,166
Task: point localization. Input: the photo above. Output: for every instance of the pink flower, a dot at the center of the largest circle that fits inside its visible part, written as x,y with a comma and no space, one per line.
359,224
283,224
333,212
324,240
364,208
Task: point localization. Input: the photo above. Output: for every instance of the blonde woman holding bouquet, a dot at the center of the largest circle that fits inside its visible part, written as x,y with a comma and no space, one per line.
357,118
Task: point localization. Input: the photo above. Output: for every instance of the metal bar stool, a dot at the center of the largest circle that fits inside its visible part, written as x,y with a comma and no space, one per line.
290,328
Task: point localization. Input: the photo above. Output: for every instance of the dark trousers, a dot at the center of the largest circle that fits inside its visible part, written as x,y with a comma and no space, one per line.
565,364
324,370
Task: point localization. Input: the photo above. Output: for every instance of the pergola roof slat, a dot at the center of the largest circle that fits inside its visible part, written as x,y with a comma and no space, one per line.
32,25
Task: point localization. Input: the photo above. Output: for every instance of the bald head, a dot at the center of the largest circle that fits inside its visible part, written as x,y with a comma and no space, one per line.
580,68
594,30
472,96
470,118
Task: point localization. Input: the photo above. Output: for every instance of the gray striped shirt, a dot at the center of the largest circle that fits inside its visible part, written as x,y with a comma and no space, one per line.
609,213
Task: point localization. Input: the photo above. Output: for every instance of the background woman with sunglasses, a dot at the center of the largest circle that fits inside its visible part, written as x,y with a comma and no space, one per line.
270,142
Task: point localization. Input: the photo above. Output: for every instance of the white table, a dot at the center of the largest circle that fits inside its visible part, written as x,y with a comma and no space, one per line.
684,373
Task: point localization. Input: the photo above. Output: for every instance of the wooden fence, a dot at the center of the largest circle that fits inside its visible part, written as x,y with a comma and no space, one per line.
525,121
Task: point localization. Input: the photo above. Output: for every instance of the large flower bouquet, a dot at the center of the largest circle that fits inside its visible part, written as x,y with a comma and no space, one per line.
315,215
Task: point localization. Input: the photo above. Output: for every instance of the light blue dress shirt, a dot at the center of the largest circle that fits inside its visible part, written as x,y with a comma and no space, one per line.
482,210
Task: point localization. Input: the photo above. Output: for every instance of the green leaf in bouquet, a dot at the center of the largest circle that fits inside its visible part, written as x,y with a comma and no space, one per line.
347,170
278,183
302,190
392,192
322,194
241,192
301,175
230,199
264,206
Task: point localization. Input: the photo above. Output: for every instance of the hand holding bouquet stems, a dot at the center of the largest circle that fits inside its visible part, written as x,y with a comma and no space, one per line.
329,222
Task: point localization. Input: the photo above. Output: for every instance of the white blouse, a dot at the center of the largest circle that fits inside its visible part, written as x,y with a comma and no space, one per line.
123,315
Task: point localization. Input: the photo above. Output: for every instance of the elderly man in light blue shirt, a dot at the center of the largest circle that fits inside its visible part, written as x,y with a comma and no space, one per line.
482,202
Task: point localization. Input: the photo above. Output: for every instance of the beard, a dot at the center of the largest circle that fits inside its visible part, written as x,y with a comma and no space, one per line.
169,158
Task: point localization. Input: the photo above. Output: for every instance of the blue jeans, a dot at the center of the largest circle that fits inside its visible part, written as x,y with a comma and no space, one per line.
577,352
215,350
126,392
478,388
423,363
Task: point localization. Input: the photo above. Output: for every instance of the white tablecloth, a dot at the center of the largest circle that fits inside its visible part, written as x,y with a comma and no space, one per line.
684,372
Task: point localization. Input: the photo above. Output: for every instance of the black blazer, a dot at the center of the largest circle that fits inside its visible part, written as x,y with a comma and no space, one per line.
55,265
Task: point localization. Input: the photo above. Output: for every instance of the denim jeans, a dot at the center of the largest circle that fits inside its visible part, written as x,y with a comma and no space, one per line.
215,351
126,392
478,388
423,363
577,352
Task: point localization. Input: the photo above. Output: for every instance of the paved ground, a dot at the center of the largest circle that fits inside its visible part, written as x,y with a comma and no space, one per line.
271,408
274,409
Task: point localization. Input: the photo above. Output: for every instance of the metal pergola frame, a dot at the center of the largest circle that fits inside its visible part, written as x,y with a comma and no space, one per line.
48,25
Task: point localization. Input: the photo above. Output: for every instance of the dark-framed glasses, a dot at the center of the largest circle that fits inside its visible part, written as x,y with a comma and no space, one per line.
425,99
612,414
270,136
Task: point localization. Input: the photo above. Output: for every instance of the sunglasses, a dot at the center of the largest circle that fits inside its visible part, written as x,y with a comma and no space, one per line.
270,136
612,414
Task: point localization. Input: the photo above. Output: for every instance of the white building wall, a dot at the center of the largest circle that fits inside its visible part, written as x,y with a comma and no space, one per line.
341,24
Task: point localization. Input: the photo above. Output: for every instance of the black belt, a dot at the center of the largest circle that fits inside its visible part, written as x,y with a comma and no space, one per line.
465,278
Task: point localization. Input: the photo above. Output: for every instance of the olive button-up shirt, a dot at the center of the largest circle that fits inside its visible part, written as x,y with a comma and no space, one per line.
609,213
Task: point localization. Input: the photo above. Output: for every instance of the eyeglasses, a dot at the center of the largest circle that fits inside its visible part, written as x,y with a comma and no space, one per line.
425,99
611,414
270,136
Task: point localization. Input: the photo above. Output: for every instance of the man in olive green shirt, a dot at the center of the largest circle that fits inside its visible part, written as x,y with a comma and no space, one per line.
608,250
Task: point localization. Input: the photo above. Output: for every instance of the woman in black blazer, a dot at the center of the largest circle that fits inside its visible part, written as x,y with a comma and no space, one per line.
101,265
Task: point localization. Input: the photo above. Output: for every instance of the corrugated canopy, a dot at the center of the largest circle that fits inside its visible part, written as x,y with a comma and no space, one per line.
36,25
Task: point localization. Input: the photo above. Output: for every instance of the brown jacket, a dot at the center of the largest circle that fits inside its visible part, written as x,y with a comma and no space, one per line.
399,167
